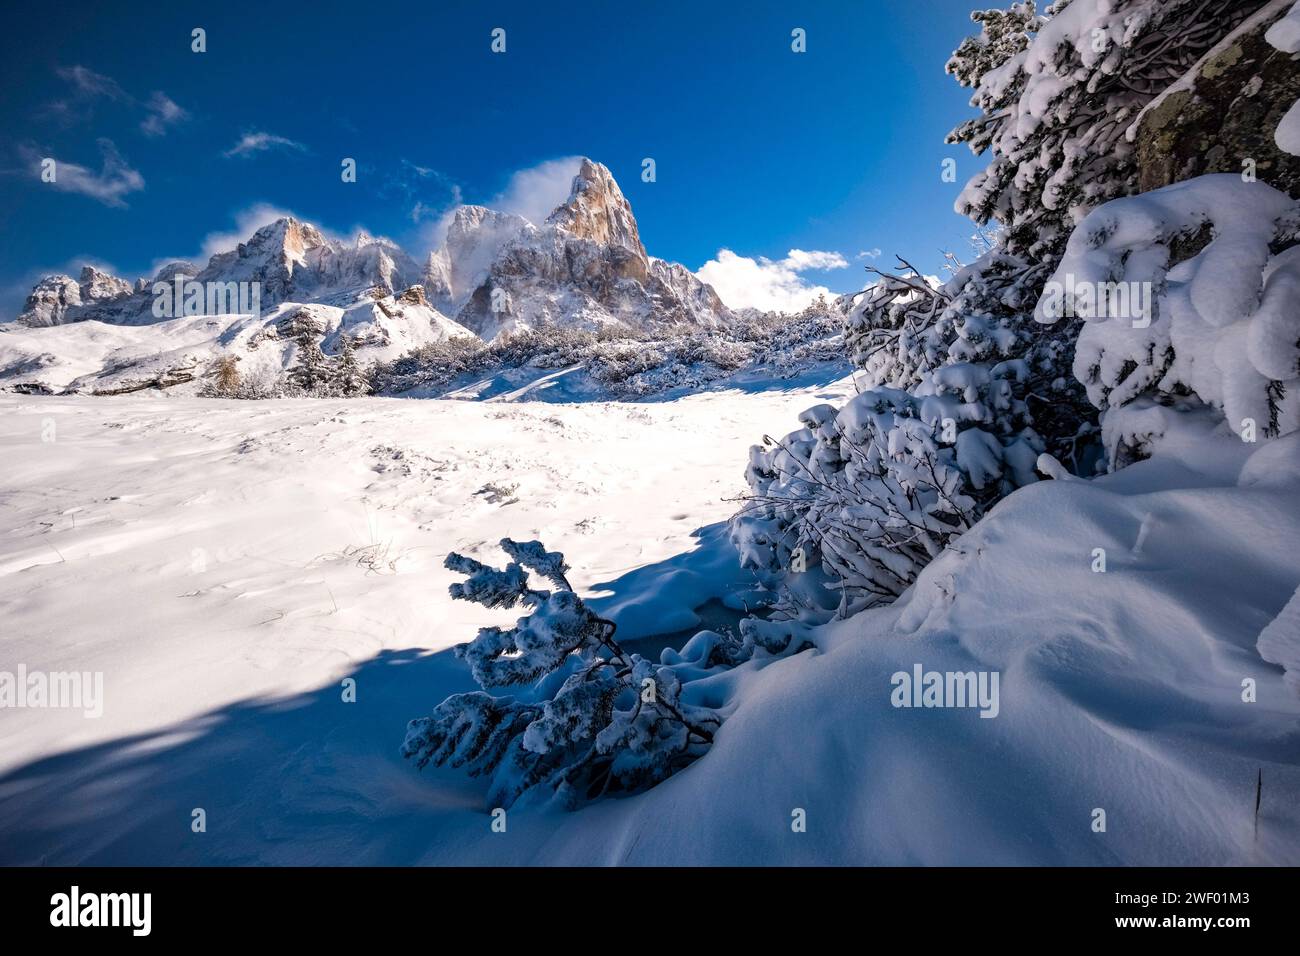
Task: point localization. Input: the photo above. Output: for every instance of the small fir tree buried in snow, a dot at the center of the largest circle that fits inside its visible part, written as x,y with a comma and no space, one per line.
589,718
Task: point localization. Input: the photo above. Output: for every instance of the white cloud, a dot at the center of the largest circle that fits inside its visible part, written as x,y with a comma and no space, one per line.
87,87
773,286
800,261
423,211
114,180
869,254
428,193
535,192
88,83
258,142
439,211
163,112
247,222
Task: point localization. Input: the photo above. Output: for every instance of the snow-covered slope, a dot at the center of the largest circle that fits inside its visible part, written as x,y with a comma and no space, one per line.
100,357
227,565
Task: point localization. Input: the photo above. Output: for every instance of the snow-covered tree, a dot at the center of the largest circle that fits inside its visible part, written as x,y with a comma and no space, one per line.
868,495
963,389
1057,94
588,718
1219,260
312,372
350,379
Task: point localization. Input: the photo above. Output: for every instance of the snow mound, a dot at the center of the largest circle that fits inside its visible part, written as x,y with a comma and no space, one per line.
1285,36
1279,642
1120,691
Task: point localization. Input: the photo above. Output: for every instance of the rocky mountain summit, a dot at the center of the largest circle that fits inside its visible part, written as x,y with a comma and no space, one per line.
60,298
585,266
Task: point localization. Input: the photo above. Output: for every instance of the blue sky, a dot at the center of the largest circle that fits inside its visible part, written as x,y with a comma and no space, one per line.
758,150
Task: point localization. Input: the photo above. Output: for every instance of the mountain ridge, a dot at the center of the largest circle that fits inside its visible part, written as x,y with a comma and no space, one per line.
584,266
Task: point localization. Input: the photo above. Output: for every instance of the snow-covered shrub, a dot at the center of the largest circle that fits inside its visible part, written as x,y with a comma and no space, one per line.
545,346
815,335
222,380
963,391
906,327
869,494
1220,261
431,365
631,362
588,718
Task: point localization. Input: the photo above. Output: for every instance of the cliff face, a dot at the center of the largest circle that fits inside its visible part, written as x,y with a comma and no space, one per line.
597,210
1224,113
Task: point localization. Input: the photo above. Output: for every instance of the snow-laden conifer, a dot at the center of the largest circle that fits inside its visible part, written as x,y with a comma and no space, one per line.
587,717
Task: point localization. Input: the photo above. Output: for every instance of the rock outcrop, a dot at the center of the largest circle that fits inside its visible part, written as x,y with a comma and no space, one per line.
586,266
1222,116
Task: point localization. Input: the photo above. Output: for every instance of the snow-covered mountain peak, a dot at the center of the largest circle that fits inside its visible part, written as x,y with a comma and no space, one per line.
597,210
171,270
475,239
285,240
96,285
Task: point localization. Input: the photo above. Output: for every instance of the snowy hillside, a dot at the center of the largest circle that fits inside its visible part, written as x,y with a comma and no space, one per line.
105,358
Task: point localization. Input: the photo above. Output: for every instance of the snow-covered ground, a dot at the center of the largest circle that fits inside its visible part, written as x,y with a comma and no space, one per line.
226,565
204,554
